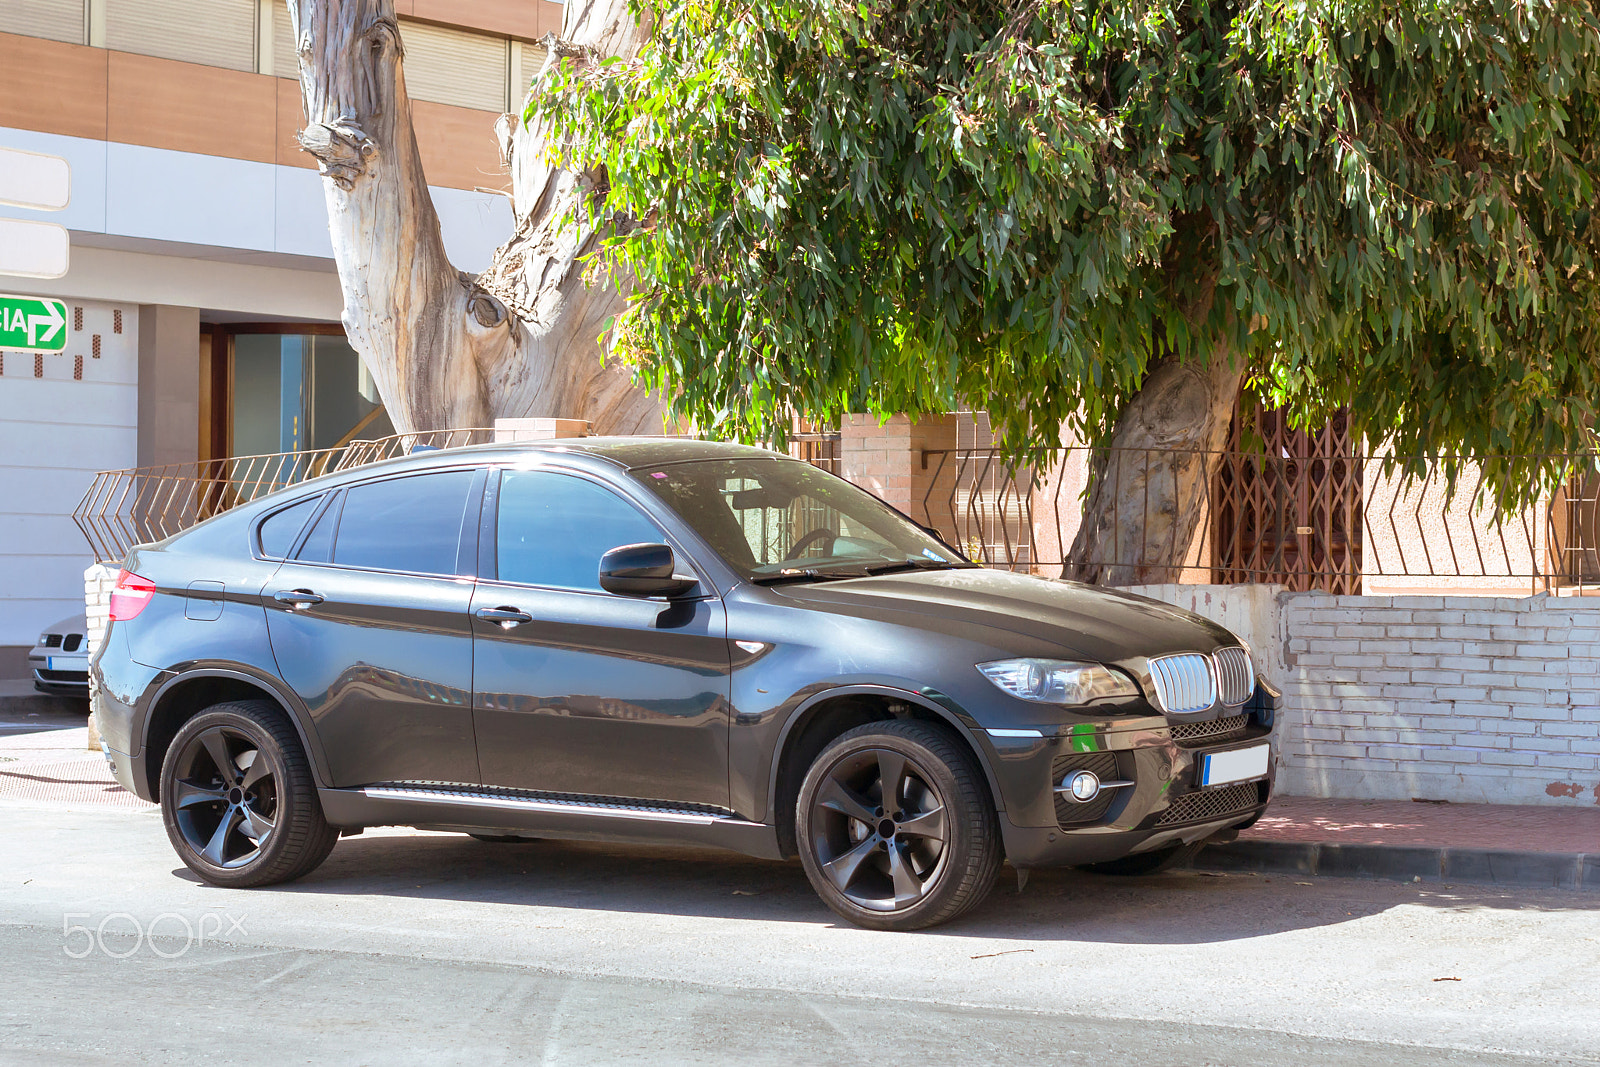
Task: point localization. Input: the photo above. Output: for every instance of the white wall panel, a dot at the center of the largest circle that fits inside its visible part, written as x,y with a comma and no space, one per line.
87,208
301,216
56,431
475,225
185,196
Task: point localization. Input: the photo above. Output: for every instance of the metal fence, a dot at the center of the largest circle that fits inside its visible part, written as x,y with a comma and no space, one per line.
143,504
1344,523
124,508
1337,521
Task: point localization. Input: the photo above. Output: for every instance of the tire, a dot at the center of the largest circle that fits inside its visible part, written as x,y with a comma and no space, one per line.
256,822
1148,862
894,866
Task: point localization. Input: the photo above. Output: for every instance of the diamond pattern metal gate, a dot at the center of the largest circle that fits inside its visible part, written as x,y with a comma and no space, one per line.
1291,513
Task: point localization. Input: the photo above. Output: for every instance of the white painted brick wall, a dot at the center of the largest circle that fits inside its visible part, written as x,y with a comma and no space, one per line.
1469,699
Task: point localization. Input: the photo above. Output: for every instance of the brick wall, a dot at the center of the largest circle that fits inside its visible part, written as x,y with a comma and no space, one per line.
1467,699
1486,699
888,460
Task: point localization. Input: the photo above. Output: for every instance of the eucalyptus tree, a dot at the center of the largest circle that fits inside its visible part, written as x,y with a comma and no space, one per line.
445,348
1104,217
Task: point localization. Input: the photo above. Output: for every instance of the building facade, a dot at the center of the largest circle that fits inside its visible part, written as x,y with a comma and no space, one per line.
202,294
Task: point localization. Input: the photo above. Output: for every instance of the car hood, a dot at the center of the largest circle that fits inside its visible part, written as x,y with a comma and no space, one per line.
1083,621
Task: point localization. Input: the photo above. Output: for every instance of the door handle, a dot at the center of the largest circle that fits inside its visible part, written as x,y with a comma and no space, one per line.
297,598
506,617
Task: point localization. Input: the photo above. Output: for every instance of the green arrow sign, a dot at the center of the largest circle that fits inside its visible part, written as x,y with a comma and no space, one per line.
32,324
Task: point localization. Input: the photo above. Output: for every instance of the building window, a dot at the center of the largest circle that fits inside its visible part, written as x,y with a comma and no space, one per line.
299,392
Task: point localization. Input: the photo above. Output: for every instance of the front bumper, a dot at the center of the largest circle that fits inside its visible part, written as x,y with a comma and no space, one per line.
1165,804
60,675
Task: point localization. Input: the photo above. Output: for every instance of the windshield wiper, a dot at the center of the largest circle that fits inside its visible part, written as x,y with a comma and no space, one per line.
920,563
808,574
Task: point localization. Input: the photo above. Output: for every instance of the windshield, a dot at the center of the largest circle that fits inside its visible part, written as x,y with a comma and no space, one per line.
782,520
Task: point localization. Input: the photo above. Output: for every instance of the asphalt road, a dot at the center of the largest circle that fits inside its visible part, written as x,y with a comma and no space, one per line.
410,947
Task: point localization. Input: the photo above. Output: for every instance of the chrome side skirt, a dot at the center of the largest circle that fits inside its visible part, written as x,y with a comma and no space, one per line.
552,805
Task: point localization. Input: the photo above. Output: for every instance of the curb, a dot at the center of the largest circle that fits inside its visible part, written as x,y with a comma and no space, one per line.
1477,866
41,704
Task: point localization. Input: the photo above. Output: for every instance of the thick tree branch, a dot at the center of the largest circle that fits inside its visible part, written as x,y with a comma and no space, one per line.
447,348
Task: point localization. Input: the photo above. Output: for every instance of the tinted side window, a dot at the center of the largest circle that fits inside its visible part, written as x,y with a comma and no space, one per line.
404,524
282,527
552,529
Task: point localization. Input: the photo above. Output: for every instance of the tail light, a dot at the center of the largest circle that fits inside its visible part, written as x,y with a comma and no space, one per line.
130,595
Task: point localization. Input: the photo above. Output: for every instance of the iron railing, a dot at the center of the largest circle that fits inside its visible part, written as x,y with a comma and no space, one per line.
1344,523
124,508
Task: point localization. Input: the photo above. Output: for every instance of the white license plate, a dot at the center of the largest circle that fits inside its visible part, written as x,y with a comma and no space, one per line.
1240,765
67,663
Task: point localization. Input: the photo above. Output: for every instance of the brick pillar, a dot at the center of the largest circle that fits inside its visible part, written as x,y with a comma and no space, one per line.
97,583
540,429
909,465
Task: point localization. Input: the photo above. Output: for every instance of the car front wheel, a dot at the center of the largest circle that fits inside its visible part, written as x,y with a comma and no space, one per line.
895,827
238,799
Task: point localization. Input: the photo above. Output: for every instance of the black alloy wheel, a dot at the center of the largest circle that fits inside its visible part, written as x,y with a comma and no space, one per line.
895,827
238,798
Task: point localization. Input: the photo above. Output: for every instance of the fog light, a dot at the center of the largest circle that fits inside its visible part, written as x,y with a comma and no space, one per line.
1085,786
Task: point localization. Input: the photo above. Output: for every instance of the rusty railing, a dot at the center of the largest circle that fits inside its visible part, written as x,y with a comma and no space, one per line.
124,508
1343,522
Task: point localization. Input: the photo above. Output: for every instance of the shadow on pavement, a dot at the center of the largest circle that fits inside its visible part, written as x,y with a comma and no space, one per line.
1178,908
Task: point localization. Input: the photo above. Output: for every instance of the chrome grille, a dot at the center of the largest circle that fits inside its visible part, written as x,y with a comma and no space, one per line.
1194,734
1235,675
1212,804
1183,683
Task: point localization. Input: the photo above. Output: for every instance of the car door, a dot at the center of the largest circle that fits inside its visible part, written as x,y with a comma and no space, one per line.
369,625
577,690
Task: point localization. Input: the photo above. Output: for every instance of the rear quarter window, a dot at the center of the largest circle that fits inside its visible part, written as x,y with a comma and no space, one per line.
279,531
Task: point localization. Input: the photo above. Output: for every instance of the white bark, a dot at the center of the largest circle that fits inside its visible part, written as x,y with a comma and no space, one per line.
448,349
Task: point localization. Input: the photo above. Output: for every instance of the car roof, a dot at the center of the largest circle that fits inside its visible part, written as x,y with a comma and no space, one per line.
629,453
626,452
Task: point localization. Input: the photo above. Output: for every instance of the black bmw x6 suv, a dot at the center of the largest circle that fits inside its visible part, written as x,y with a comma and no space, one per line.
662,641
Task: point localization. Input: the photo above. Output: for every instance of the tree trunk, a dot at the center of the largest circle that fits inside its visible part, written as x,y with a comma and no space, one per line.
448,349
1150,488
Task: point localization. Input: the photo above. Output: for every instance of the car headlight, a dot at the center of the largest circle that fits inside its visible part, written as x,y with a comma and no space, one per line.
1053,681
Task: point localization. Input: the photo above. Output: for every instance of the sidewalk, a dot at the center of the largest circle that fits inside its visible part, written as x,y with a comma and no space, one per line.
1479,843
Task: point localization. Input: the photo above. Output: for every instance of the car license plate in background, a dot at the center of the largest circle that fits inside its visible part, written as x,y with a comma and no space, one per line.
67,663
1240,765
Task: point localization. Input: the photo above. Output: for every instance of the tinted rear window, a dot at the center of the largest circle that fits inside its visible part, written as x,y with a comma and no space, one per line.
280,529
404,524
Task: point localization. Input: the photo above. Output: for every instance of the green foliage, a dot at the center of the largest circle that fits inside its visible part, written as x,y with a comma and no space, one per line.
896,205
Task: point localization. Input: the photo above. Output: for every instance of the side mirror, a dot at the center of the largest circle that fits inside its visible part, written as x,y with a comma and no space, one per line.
641,570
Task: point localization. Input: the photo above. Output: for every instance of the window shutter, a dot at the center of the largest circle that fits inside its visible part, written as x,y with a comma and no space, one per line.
218,33
56,20
454,67
285,64
532,59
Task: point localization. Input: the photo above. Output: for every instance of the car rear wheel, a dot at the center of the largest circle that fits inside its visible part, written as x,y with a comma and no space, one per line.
1153,862
895,827
238,799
